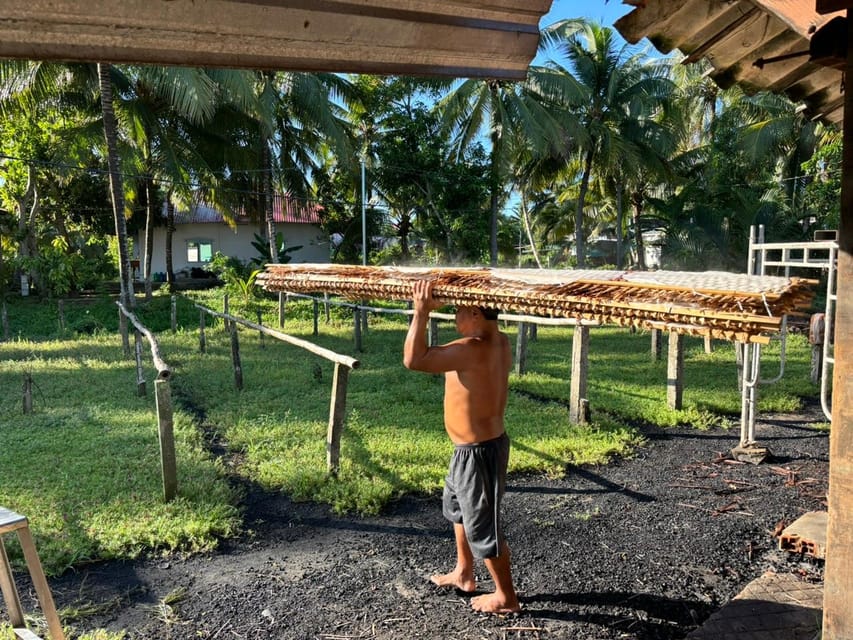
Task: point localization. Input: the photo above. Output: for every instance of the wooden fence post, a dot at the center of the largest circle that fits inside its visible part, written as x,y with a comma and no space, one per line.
357,328
327,307
174,316
521,349
532,332
28,393
140,374
202,341
282,300
709,344
656,344
675,371
337,413
261,342
235,358
225,323
165,425
580,362
316,309
125,339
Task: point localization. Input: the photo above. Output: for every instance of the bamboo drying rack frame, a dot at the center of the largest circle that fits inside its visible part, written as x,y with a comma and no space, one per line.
726,306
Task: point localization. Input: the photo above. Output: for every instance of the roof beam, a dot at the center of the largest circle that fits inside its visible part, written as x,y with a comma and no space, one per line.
458,38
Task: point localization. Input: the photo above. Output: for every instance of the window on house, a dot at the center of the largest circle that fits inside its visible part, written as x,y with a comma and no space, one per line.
199,251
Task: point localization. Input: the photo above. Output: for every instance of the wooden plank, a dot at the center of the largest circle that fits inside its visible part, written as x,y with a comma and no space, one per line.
25,634
278,335
45,598
9,590
9,520
467,38
838,576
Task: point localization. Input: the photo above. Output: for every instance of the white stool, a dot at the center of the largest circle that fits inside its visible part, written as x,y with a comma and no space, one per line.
11,521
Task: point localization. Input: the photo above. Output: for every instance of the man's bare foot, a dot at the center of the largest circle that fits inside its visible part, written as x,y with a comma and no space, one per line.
456,580
495,603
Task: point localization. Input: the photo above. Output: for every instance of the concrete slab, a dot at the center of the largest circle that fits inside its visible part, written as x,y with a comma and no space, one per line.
773,606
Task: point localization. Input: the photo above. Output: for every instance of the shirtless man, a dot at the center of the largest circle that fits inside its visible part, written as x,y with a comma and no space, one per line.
476,369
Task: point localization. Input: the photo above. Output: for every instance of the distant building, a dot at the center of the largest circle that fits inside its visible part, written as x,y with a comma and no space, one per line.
202,231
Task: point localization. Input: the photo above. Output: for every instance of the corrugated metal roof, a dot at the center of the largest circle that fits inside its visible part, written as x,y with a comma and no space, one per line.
285,209
457,38
733,35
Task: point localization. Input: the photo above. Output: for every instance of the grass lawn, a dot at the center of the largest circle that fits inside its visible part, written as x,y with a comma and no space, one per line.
84,466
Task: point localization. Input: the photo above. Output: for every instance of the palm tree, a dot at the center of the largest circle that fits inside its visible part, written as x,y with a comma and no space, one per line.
276,141
601,94
502,110
165,111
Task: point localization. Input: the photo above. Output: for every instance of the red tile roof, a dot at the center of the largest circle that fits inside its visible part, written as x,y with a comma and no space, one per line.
285,209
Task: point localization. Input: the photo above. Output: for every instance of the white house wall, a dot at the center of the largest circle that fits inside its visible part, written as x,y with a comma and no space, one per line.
236,243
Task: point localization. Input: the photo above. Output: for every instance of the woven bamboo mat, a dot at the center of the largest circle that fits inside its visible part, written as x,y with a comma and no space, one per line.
721,305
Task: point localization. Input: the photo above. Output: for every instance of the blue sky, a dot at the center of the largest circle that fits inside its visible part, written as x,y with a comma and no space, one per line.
604,13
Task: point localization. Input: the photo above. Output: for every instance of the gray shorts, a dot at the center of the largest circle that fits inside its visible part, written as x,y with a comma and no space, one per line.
473,491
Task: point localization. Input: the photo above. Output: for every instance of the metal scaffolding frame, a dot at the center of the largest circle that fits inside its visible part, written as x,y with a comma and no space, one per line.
816,254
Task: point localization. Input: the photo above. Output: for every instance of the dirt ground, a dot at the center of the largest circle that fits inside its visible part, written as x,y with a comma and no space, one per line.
642,548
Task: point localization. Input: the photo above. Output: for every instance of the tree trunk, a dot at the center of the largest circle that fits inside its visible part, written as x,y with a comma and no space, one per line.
580,248
493,175
526,220
28,206
268,199
637,201
116,186
620,217
149,238
403,230
170,230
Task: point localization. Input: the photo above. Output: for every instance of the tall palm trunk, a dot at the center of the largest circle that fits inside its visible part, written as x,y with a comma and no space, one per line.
637,201
620,218
266,187
149,237
497,140
170,231
580,243
116,186
526,220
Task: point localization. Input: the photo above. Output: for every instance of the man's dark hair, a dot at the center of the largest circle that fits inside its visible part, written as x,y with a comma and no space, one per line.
489,314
